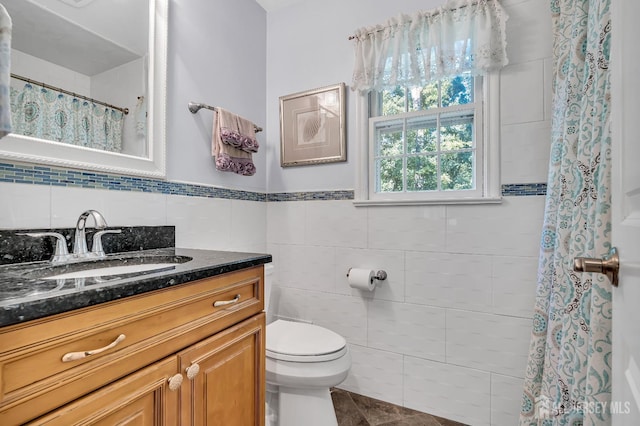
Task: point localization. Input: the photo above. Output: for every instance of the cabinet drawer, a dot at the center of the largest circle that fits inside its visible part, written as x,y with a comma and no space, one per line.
35,379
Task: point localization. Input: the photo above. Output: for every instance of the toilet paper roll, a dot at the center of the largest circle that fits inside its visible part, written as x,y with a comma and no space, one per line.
362,279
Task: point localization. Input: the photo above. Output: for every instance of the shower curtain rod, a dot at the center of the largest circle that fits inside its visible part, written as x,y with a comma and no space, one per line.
125,111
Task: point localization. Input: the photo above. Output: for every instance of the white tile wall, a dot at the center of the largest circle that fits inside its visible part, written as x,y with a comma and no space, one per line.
119,208
200,222
451,314
377,374
525,28
407,228
449,391
525,140
449,280
510,228
286,222
25,206
345,315
336,223
548,88
203,223
306,267
506,399
493,343
522,92
248,225
514,281
407,329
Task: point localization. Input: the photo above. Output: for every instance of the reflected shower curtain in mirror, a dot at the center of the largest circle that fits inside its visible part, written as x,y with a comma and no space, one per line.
46,114
568,376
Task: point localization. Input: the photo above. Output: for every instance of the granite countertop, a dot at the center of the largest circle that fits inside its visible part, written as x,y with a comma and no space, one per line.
25,296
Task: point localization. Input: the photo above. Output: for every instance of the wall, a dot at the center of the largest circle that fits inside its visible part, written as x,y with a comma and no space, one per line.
218,59
121,86
203,40
448,332
37,69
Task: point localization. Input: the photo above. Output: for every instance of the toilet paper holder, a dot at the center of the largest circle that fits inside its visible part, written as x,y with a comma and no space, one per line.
380,275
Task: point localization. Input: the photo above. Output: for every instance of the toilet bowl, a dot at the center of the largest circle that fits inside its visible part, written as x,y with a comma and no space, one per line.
303,361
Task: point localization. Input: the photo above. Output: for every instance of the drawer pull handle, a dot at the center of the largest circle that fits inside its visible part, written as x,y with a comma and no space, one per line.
175,382
192,371
227,302
74,356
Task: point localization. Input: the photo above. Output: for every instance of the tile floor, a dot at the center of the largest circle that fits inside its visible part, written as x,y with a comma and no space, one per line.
357,410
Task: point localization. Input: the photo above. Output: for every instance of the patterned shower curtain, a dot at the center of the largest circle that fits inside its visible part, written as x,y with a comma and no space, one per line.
568,376
46,114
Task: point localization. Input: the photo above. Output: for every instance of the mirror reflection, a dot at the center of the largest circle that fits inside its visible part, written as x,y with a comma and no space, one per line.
80,72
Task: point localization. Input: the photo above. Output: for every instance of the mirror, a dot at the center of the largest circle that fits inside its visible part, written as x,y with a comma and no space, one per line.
108,56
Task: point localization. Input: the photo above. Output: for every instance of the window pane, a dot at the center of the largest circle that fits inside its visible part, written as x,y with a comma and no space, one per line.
422,135
457,171
422,173
389,175
389,138
457,90
393,101
456,131
422,97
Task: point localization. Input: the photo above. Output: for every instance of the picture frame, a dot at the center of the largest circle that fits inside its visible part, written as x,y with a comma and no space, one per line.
312,127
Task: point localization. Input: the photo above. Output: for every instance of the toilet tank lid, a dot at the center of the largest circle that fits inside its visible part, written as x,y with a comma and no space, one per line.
302,339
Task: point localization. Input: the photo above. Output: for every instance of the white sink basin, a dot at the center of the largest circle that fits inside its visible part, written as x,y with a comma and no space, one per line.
111,266
111,270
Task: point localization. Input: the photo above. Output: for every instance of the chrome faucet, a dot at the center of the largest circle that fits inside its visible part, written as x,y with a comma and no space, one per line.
61,253
80,241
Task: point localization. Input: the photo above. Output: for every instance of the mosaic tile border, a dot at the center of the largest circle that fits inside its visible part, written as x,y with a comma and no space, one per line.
44,175
524,189
311,195
52,176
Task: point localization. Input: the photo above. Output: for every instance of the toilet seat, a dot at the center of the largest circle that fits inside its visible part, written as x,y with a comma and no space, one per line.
301,342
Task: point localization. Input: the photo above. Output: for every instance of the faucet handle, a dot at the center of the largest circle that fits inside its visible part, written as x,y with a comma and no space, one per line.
96,248
62,253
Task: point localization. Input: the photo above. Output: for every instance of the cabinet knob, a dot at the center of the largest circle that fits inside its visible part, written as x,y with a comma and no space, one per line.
175,382
192,370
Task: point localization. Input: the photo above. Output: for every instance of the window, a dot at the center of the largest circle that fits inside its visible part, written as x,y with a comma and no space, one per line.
428,128
432,143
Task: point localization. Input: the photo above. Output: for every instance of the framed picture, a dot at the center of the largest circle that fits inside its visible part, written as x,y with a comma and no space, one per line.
312,127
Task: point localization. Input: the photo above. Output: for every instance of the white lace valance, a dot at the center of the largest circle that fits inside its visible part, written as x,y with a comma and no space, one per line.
461,36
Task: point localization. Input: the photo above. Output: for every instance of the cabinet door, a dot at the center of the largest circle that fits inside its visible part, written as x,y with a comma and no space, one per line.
141,399
228,389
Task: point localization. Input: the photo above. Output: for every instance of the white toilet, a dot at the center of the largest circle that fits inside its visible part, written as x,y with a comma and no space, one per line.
302,361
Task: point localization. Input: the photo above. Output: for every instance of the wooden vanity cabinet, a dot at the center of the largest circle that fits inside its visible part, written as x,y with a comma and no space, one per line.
213,352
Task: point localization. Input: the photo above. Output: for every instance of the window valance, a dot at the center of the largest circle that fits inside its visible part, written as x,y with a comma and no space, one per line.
462,36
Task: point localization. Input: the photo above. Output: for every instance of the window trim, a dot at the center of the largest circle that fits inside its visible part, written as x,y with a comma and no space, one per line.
490,157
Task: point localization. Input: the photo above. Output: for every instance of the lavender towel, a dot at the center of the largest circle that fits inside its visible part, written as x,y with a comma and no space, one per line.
232,144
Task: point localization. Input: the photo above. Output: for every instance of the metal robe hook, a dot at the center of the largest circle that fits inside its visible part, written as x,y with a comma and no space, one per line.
608,265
